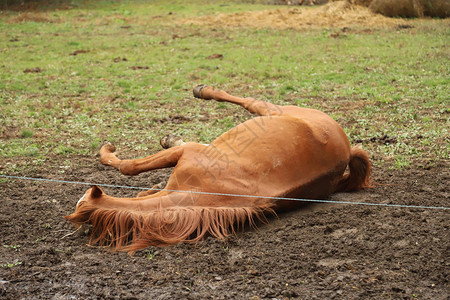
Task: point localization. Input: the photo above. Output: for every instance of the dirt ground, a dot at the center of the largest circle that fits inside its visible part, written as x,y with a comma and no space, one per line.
322,251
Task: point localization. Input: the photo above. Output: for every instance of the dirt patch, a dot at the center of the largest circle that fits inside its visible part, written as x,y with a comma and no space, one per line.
320,252
33,70
335,14
82,51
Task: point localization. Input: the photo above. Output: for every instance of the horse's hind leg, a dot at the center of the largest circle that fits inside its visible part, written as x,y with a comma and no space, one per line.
164,159
252,105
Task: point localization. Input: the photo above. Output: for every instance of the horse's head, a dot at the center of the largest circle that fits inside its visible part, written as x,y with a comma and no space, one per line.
82,211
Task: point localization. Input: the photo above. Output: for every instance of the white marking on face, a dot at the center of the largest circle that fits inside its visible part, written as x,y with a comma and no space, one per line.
80,200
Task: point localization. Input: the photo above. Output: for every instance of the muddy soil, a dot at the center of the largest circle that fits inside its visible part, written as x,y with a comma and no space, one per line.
322,251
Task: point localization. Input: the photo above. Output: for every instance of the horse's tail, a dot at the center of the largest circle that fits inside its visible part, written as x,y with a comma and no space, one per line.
359,175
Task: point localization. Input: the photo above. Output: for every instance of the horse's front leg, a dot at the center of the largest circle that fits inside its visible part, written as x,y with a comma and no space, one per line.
164,159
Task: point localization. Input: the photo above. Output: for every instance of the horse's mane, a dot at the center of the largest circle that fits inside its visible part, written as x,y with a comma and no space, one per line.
130,230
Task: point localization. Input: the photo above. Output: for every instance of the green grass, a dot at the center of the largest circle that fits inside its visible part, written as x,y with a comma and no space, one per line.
139,67
11,265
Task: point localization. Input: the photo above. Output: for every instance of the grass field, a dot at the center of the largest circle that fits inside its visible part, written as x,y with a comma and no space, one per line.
123,72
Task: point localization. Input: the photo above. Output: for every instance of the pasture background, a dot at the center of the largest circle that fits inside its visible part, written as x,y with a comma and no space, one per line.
123,72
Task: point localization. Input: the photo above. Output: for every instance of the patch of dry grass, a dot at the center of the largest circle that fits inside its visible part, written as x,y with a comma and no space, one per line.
334,14
38,17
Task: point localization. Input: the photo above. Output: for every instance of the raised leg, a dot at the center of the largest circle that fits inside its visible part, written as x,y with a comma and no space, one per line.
164,159
252,105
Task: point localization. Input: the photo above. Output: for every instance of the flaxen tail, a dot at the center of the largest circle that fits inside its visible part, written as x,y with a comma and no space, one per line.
359,175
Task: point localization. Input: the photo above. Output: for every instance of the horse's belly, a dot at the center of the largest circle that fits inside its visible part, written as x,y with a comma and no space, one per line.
267,156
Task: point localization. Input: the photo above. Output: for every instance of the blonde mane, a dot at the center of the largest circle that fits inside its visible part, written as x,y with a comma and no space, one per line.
130,230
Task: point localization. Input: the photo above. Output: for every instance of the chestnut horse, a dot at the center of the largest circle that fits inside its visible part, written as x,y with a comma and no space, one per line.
286,151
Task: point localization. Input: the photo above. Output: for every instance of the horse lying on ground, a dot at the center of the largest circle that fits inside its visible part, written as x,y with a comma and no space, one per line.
286,151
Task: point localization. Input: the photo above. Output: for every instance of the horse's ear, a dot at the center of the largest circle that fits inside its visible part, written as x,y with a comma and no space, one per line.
96,192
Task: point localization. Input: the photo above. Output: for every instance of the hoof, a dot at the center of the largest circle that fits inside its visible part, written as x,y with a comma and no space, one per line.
170,141
198,91
108,147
